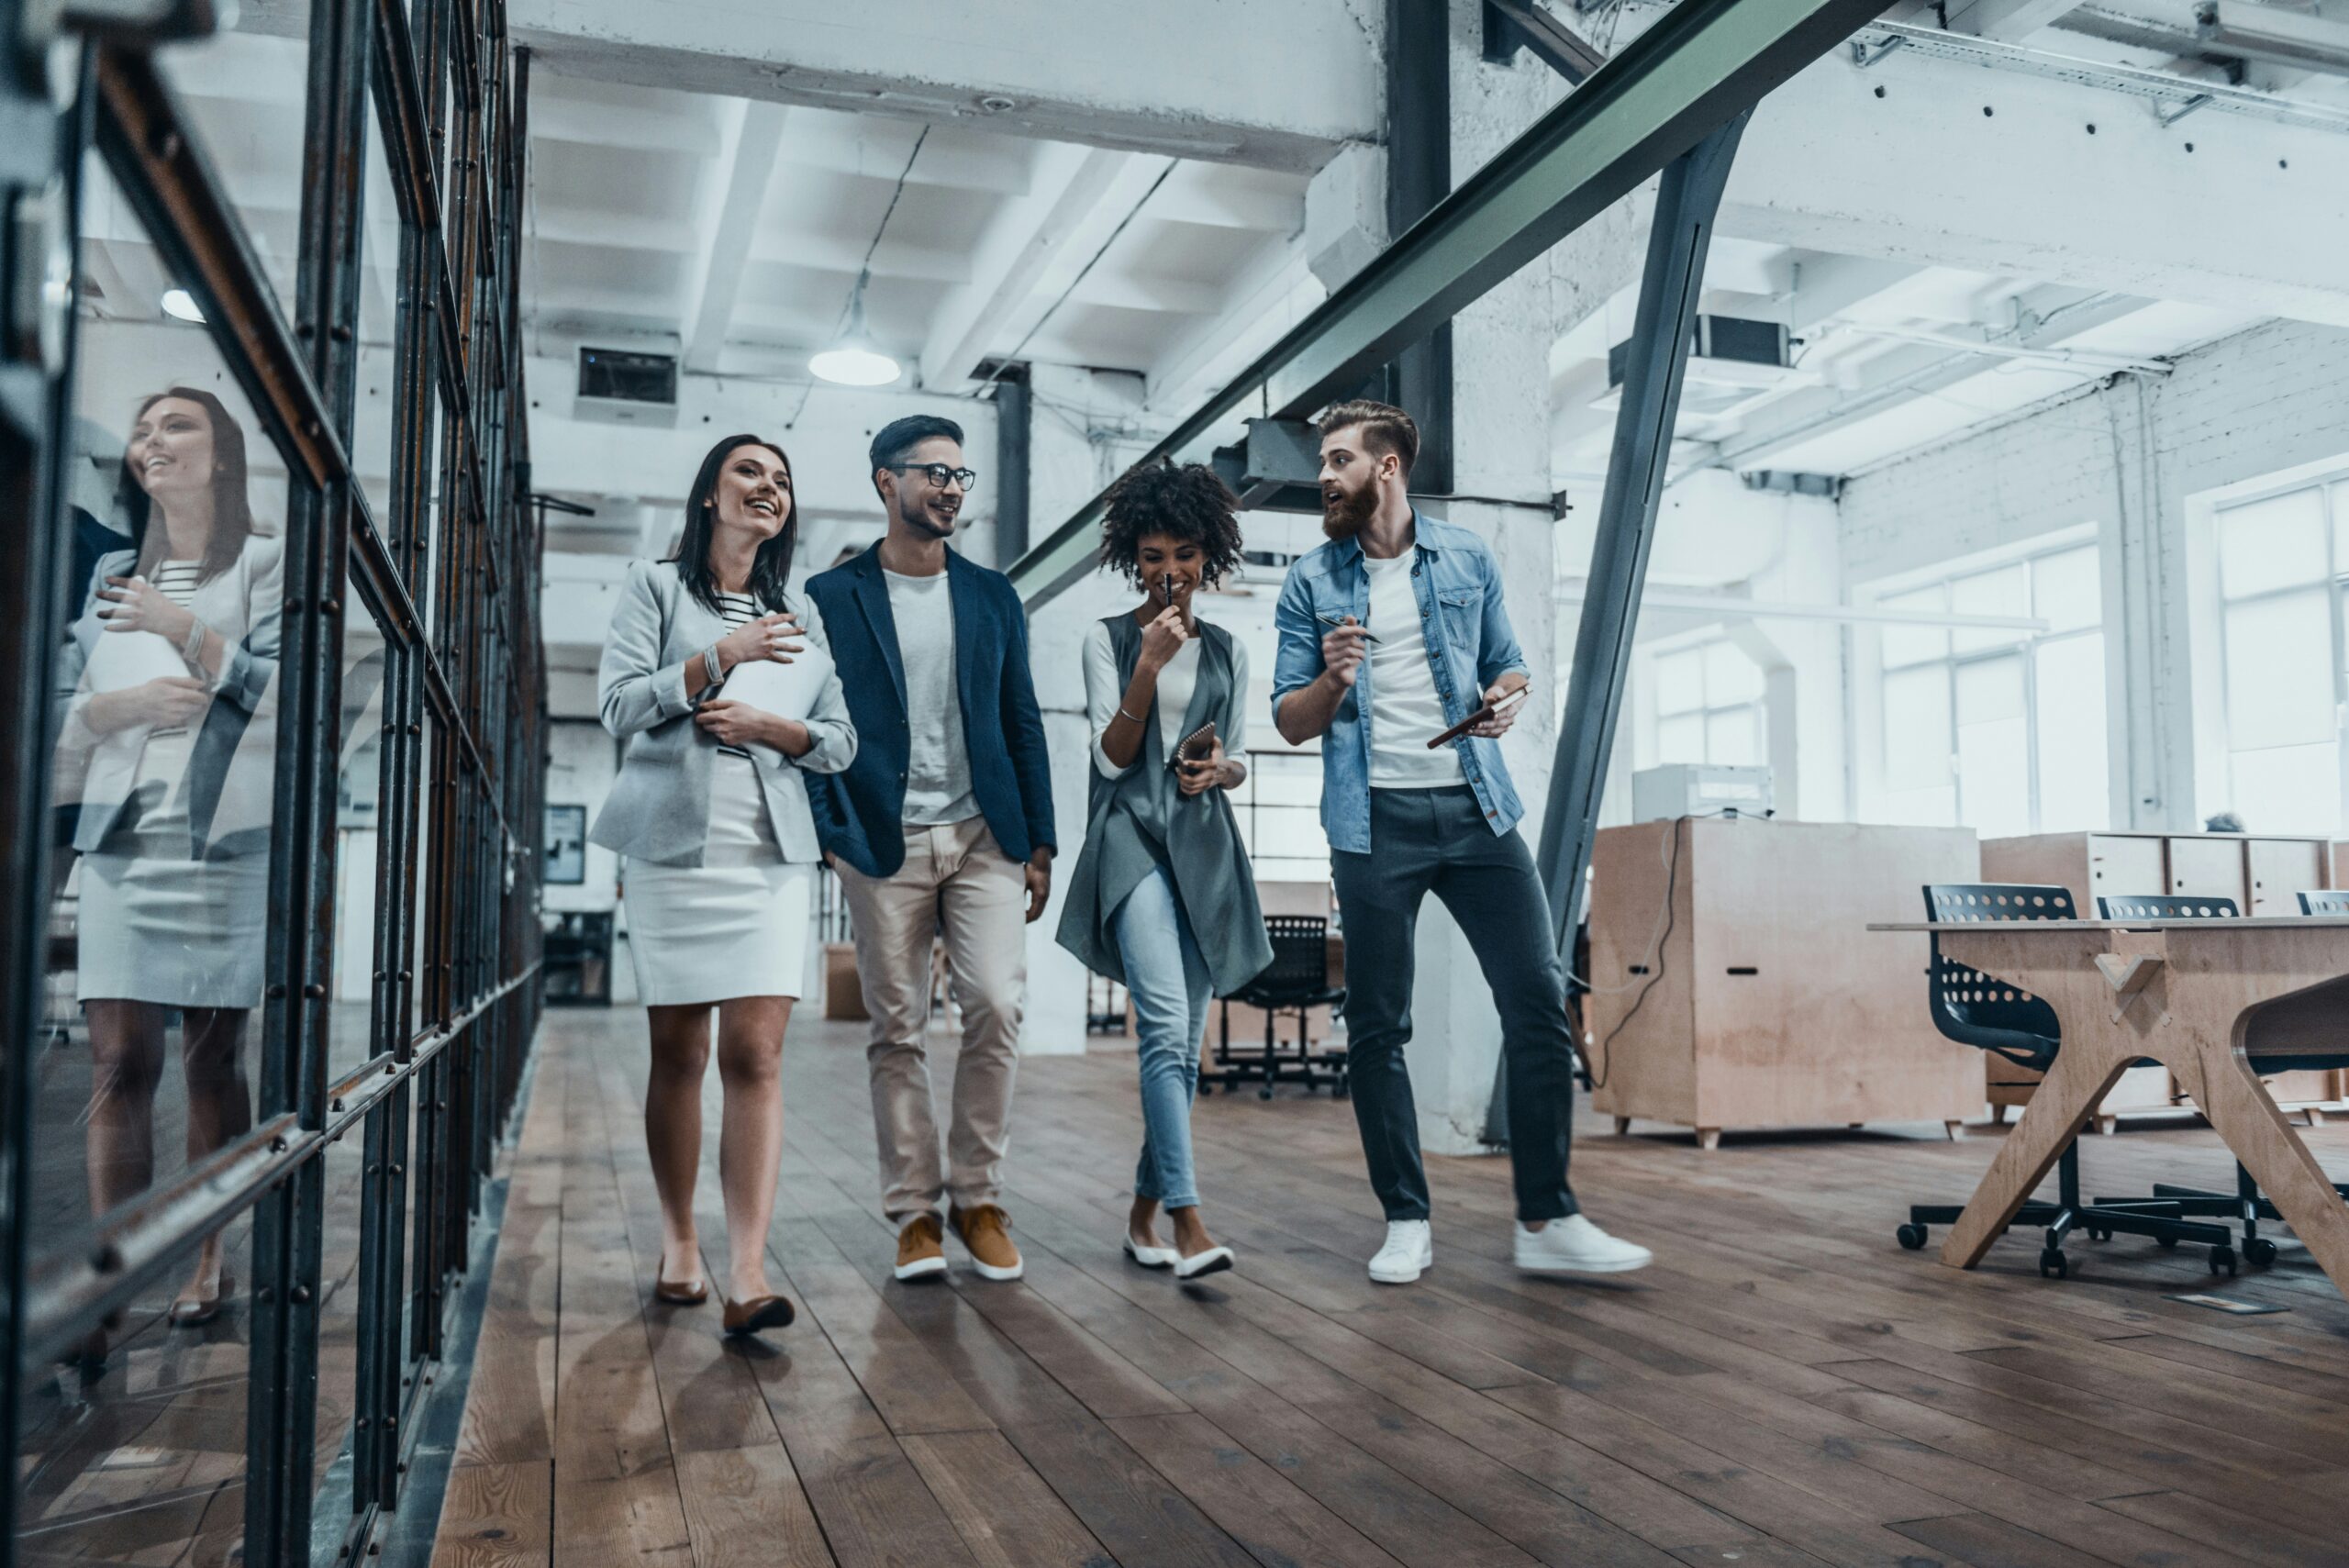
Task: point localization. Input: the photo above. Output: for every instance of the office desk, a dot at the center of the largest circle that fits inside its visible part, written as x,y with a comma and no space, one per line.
2205,998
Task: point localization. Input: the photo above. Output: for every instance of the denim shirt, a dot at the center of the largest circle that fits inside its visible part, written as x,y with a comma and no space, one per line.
1470,646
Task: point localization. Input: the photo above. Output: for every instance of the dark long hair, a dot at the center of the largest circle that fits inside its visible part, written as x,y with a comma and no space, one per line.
770,568
232,511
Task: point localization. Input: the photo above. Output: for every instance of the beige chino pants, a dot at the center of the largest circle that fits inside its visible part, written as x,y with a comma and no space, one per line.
956,882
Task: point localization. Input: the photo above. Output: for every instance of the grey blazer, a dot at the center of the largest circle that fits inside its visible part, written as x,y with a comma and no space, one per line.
659,808
231,782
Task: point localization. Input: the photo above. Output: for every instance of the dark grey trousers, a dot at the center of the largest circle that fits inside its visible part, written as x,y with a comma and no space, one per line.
1437,841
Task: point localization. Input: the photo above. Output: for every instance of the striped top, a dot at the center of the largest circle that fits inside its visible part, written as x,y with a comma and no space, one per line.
739,610
177,580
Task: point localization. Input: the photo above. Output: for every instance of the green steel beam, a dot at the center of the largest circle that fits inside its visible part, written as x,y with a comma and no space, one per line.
1703,65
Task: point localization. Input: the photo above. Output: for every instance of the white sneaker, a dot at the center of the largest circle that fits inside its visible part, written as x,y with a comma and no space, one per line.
1410,1247
1574,1246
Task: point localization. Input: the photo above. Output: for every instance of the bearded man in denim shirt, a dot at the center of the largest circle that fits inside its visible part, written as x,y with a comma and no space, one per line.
1391,634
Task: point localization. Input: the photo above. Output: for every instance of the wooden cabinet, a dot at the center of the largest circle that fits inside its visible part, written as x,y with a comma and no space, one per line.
2264,876
1759,998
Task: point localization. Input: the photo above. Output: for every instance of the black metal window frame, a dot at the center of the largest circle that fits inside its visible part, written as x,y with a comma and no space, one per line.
462,753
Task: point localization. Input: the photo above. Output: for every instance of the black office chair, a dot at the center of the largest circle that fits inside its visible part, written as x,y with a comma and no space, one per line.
1298,978
2245,1205
1979,1010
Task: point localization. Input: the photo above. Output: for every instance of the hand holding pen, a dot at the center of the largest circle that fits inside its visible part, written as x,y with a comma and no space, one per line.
1344,648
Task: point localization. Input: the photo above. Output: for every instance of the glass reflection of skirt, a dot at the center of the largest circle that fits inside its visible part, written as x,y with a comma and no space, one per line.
735,925
158,925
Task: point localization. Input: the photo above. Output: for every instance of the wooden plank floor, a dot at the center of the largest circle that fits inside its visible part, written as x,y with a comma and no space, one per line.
1785,1386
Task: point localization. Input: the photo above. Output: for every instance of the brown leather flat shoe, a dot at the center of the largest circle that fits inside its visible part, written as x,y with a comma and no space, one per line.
194,1311
669,1292
759,1313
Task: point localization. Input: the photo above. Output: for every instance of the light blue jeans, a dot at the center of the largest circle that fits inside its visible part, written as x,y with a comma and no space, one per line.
1168,981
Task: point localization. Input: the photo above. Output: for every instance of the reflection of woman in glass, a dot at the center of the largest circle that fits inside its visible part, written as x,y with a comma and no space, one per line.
167,669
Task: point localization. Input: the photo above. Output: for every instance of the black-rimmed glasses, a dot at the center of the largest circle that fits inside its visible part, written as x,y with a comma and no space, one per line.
938,474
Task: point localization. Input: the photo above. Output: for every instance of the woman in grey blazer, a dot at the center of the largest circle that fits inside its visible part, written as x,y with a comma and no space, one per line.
710,809
167,744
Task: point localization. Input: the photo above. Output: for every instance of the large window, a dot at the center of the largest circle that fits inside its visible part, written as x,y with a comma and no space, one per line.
1995,728
2283,564
1705,702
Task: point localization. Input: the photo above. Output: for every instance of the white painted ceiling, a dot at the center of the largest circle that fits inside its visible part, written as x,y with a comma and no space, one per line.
733,234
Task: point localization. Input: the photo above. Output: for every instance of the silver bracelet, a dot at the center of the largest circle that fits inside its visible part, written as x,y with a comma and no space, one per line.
709,666
1135,717
193,649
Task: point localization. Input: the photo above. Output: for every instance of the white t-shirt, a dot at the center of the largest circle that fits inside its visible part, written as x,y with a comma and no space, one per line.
938,763
1405,711
1103,690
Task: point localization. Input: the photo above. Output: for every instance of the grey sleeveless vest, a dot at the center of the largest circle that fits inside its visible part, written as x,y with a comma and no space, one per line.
1140,820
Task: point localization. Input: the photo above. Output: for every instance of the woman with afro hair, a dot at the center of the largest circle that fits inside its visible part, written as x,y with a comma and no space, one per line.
1163,898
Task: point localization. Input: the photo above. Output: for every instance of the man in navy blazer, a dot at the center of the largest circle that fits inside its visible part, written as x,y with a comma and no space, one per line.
941,827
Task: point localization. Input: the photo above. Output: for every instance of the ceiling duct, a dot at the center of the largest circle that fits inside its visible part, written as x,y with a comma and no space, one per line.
1275,467
623,386
2308,40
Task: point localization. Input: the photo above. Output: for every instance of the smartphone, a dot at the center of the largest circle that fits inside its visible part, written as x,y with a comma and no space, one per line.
1490,710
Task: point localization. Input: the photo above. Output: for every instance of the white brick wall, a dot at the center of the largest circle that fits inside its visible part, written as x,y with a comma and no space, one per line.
2266,399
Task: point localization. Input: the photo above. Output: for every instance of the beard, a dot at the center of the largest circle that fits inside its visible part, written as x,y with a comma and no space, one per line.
1344,514
917,517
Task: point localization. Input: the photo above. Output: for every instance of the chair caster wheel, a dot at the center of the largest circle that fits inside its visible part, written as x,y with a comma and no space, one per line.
1266,1093
1206,1089
2259,1252
2096,1235
2052,1264
1912,1237
2222,1260
2166,1243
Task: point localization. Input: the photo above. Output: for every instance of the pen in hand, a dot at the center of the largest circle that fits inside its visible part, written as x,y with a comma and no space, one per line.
1337,621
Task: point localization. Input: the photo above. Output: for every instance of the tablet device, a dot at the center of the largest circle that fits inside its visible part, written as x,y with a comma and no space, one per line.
787,691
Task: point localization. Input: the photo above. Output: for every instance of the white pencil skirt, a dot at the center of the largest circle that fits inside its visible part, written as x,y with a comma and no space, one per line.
736,925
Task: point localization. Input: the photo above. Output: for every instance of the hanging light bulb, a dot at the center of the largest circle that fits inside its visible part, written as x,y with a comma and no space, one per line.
180,303
856,359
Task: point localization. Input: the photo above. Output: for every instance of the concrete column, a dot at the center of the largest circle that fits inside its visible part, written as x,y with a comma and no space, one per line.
1083,435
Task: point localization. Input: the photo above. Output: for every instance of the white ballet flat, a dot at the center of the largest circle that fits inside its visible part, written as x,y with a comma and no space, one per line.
1214,1260
1152,1257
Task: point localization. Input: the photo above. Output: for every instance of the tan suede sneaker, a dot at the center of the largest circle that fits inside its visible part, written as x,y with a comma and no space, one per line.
984,1231
921,1251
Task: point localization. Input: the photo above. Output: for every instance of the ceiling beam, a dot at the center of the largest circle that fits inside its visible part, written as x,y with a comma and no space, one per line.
749,141
1013,257
1733,606
2010,21
1271,296
1225,83
2050,316
2099,209
1701,64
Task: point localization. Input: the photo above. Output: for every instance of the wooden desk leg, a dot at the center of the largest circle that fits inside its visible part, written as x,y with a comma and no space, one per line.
2058,1109
2230,1093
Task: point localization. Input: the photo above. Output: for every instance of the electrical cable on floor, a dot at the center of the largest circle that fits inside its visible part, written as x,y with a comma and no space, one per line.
1596,1077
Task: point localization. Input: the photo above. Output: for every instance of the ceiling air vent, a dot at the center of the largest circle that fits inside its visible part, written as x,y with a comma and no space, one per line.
622,386
1723,339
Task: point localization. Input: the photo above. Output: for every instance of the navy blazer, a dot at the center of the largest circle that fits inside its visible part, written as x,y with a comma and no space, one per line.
859,813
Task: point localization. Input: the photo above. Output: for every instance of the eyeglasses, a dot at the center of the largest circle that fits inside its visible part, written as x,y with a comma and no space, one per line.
938,474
